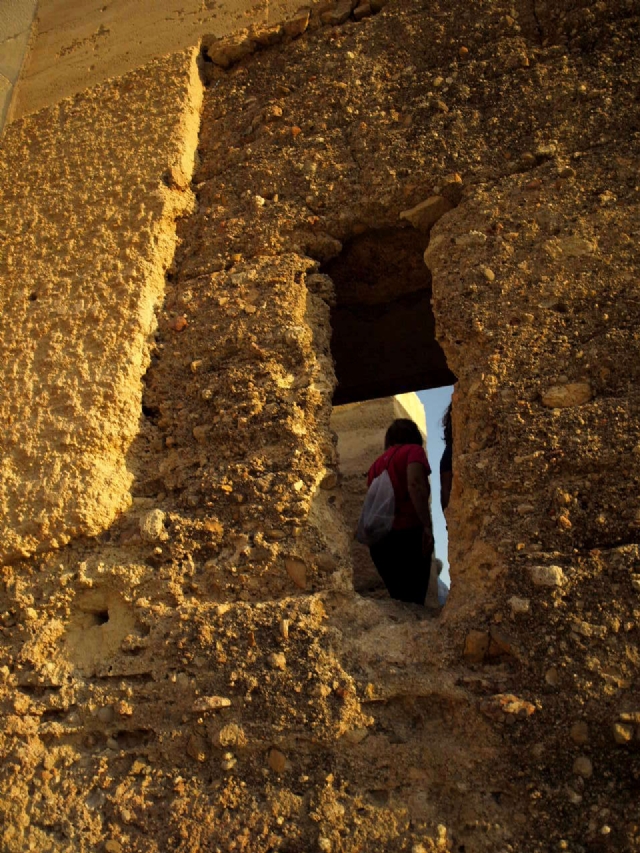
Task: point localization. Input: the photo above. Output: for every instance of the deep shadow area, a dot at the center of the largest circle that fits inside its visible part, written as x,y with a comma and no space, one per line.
383,340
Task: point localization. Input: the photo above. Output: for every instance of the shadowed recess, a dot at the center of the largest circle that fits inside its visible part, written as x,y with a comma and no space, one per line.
383,326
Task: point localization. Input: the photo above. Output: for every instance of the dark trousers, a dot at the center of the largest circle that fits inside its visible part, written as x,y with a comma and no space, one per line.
402,565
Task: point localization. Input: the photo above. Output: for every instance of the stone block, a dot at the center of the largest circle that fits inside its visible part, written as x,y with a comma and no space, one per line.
297,571
476,646
519,605
546,576
563,396
298,24
228,51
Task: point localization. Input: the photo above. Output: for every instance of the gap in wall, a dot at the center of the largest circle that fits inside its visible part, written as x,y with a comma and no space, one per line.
435,402
383,344
383,326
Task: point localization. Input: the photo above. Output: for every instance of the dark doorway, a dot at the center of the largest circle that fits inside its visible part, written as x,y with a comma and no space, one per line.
383,326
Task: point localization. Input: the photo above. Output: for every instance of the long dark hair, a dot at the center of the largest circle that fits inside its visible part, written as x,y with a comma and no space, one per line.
403,431
447,428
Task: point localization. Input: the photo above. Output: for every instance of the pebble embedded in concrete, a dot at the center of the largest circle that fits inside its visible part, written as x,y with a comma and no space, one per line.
210,703
297,571
152,526
579,733
228,761
488,273
106,714
197,748
519,605
583,767
623,733
277,660
551,576
552,677
277,760
476,646
566,395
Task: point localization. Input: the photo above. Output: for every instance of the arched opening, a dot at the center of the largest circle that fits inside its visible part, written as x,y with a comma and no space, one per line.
384,347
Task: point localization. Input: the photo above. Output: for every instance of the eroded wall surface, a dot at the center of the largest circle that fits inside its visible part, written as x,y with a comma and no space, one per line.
194,671
87,232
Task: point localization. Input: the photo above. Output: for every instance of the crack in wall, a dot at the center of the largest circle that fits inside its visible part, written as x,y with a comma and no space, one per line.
534,12
230,50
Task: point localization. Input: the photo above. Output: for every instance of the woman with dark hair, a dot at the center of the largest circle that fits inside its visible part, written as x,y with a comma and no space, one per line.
403,556
446,461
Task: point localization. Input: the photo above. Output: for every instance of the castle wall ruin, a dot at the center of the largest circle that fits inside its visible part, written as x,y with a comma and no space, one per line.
184,662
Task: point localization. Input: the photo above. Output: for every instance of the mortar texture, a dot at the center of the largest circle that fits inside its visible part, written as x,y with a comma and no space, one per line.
192,670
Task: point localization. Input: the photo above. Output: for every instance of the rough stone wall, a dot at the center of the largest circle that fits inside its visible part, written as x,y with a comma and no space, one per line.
199,675
88,229
546,410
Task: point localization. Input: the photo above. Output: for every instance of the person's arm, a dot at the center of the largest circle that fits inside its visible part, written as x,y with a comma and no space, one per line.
419,491
446,479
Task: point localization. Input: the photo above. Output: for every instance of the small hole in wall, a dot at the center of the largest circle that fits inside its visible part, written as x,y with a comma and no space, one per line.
33,297
99,617
152,413
130,739
53,715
